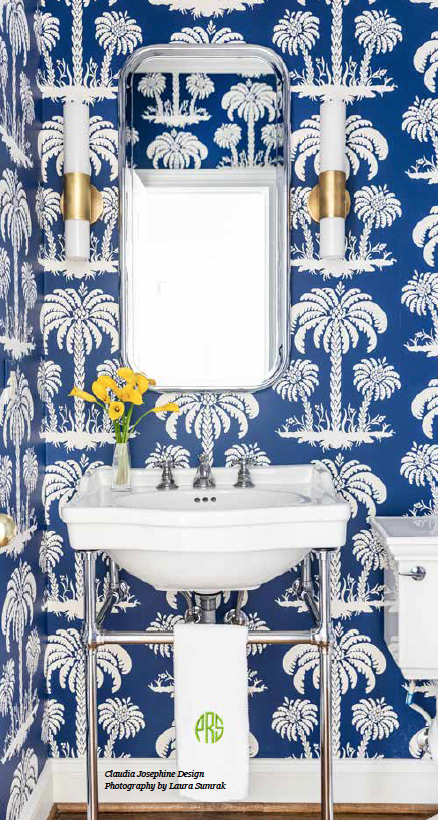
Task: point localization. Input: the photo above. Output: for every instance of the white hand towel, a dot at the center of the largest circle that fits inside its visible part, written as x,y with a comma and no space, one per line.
211,710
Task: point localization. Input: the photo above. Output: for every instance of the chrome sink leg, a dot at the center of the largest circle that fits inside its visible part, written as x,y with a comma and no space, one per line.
325,685
90,650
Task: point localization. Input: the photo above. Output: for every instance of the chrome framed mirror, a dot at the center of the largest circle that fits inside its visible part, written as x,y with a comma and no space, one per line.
204,169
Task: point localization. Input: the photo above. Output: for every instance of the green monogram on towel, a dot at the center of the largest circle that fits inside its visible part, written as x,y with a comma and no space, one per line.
209,727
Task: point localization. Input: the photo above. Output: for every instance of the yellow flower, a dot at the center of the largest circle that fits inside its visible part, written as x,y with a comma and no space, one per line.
100,391
142,382
115,410
129,393
170,407
107,382
81,394
127,374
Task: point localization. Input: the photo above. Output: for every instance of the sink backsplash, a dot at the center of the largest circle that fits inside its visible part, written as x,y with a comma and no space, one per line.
346,400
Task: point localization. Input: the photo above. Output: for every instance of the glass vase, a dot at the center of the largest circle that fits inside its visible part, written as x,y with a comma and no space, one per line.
121,478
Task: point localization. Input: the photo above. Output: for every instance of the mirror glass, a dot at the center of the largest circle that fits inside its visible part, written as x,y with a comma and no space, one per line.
204,216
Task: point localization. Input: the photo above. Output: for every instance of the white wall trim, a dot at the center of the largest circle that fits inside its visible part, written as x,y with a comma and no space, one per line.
41,800
272,781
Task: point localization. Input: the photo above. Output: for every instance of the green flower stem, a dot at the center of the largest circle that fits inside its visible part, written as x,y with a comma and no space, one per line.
125,428
142,417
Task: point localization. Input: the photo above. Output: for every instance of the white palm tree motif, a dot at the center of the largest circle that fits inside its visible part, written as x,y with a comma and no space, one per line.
425,407
51,723
229,135
376,207
165,745
370,552
4,69
48,383
336,317
7,689
16,414
120,719
337,7
198,35
77,7
252,451
61,480
296,719
376,380
420,295
297,384
5,281
110,215
17,611
24,780
117,34
251,101
163,623
48,209
80,319
30,477
178,454
51,552
65,655
378,33
199,87
46,28
153,85
272,140
103,144
177,150
33,652
421,122
210,414
374,719
425,235
363,142
30,293
5,481
27,106
298,32
355,483
207,8
420,467
300,216
15,24
426,61
15,223
353,653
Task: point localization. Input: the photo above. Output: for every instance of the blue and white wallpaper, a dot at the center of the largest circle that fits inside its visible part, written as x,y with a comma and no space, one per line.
361,392
23,627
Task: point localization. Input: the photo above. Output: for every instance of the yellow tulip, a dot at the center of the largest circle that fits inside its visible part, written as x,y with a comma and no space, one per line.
100,391
127,374
115,410
170,407
107,382
81,394
129,393
142,382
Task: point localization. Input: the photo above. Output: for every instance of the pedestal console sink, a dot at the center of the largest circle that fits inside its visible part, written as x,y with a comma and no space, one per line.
208,540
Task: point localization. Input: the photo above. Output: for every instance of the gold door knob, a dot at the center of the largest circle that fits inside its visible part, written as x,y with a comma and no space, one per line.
8,529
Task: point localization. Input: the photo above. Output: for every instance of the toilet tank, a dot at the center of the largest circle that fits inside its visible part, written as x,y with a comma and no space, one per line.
411,592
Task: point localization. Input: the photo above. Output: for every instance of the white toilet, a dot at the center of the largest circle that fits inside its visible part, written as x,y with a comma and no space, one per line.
411,599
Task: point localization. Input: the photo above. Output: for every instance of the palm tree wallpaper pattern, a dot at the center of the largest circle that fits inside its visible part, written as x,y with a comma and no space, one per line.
350,398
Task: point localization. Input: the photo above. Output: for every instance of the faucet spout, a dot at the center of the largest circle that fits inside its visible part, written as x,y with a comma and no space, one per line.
203,478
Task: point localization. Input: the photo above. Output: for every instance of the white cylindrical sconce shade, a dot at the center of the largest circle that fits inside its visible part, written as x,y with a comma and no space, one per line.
332,159
77,169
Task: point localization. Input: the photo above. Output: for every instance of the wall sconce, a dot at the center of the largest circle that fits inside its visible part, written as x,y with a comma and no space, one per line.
329,202
81,202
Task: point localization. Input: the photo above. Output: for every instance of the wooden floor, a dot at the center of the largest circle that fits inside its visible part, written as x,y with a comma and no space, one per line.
381,813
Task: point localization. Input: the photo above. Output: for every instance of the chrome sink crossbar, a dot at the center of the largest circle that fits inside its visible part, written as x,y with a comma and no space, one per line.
94,636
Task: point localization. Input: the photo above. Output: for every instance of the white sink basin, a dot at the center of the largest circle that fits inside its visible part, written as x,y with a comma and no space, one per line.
208,540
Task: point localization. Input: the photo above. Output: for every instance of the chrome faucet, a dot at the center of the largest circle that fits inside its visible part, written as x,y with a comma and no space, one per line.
167,480
244,476
203,478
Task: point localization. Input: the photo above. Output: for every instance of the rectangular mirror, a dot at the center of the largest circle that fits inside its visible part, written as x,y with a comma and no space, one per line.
204,182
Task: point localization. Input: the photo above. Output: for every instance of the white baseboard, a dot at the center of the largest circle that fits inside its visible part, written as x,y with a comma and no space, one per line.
41,800
272,781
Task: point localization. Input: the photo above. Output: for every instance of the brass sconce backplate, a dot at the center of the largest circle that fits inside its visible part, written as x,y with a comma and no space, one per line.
80,199
330,197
